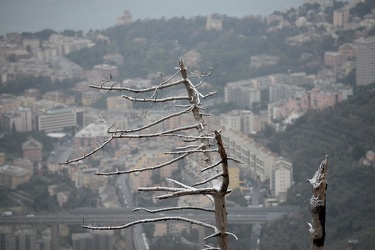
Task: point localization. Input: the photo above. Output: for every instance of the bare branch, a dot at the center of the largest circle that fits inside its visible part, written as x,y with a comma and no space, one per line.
161,84
172,209
192,151
235,160
179,183
137,90
218,233
164,133
144,169
207,247
212,166
187,187
153,123
108,80
187,192
187,147
208,72
208,180
177,218
168,99
190,138
153,189
90,153
208,95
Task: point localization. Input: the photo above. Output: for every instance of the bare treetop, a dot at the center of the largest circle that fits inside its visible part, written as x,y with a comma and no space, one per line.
214,165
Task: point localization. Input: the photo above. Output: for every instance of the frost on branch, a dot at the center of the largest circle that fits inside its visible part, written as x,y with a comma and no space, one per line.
318,206
214,165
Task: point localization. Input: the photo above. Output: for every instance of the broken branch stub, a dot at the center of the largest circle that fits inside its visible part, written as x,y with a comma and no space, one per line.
318,206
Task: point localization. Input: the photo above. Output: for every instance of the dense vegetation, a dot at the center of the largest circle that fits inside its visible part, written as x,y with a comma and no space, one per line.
345,133
43,84
11,144
150,46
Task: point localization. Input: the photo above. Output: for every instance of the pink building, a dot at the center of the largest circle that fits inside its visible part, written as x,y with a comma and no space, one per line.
315,99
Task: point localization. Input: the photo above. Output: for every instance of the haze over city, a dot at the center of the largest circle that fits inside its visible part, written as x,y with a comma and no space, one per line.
36,15
111,107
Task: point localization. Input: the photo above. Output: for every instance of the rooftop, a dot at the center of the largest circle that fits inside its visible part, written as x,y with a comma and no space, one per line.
13,170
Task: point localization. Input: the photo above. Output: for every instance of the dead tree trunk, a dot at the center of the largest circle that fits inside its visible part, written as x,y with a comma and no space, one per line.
318,206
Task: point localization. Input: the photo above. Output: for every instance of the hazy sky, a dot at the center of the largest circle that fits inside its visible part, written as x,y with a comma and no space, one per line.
35,15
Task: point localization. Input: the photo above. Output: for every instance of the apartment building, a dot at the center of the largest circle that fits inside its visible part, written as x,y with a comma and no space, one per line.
8,103
263,60
86,177
55,120
239,121
60,97
64,45
98,240
214,22
118,103
333,59
341,16
145,178
242,94
260,161
19,120
105,70
281,179
88,98
347,50
282,91
365,53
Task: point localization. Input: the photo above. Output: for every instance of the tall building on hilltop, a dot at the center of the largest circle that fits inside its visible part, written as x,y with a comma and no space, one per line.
365,52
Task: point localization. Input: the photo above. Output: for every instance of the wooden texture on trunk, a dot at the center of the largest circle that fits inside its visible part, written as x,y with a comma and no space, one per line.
318,206
219,196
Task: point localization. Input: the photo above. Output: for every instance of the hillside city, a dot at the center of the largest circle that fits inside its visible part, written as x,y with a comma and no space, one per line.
76,119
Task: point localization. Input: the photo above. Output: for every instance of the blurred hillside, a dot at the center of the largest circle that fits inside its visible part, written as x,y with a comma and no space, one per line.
345,133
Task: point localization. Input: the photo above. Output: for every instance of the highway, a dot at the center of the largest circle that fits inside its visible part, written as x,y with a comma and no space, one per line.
119,216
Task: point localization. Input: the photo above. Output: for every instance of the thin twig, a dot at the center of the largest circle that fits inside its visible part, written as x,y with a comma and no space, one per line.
168,99
187,192
137,90
208,180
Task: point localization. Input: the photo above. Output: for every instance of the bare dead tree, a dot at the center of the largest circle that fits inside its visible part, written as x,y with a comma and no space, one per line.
318,206
214,168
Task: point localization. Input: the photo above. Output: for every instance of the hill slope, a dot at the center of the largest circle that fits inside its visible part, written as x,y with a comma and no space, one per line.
344,132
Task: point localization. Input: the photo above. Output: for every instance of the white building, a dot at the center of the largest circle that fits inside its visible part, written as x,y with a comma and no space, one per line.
55,120
261,162
281,179
365,53
20,120
282,92
242,94
239,121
